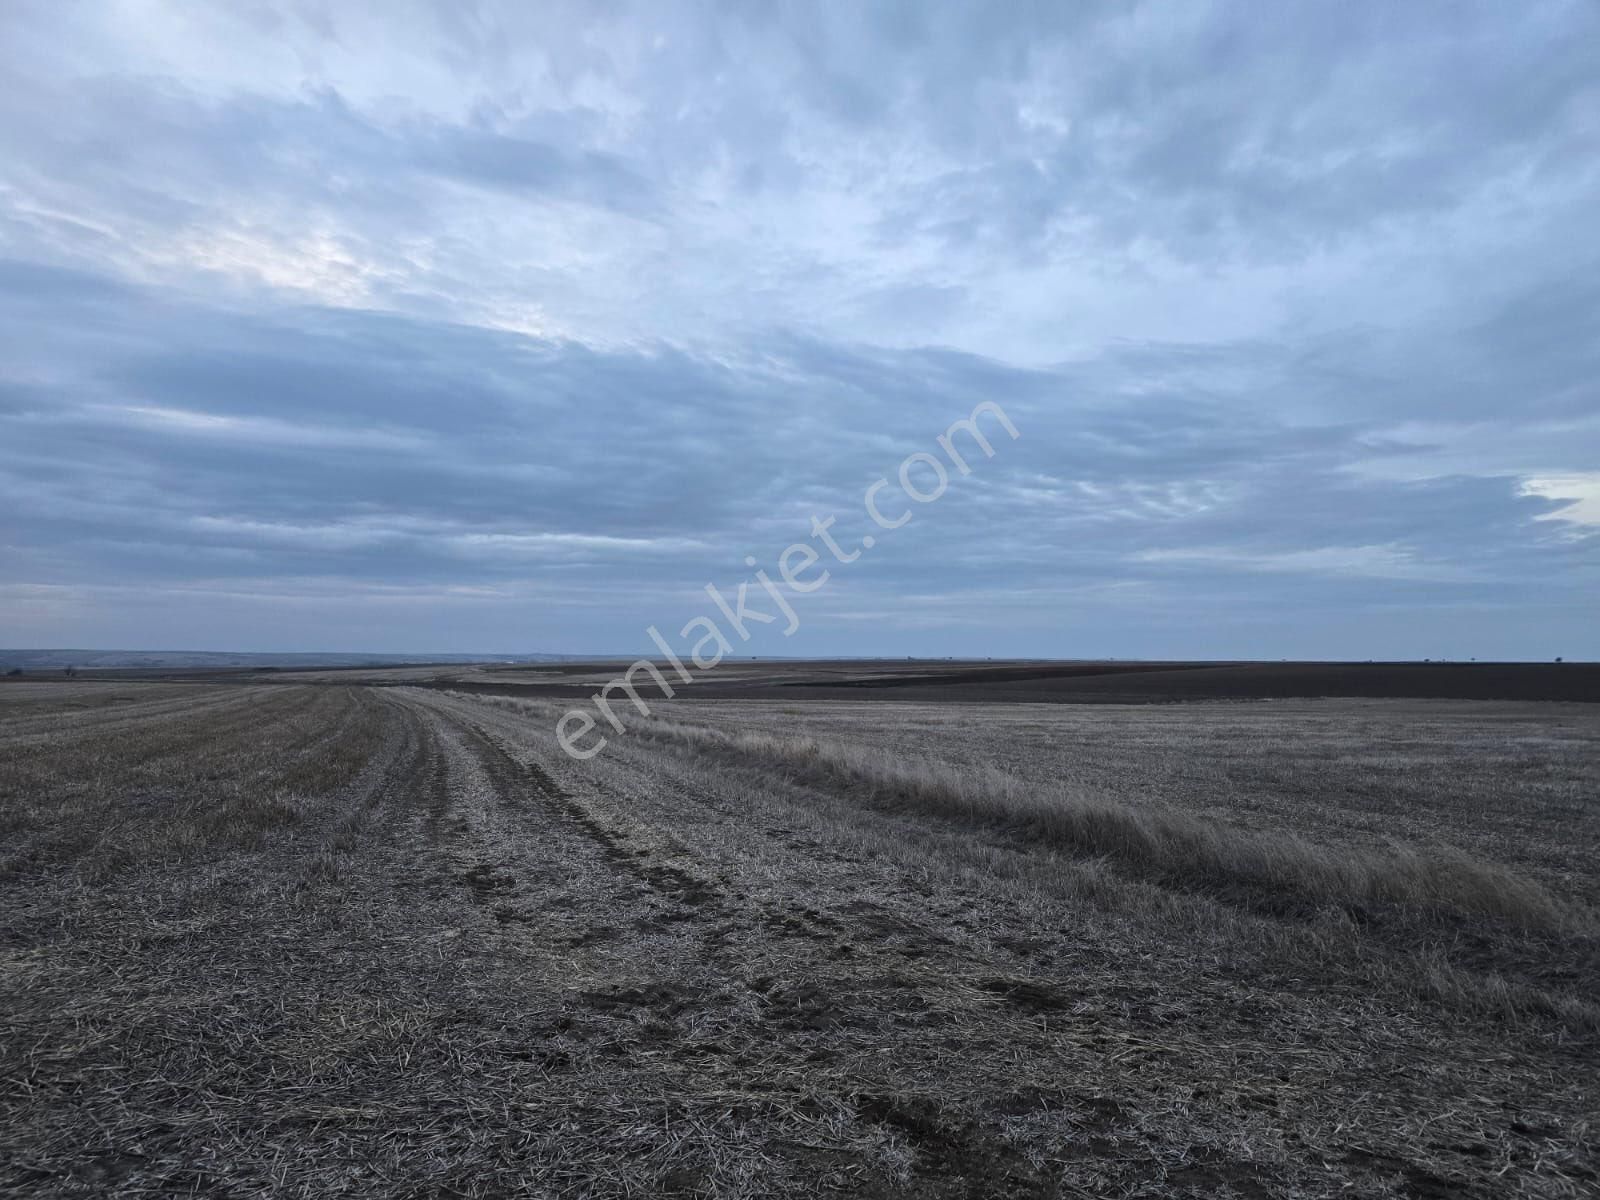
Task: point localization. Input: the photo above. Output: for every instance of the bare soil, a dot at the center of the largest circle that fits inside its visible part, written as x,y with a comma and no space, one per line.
335,939
1064,682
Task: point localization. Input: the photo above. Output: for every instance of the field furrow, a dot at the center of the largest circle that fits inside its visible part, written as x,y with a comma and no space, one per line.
329,939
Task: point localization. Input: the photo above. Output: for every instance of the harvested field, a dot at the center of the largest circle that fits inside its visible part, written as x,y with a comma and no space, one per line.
1024,682
328,938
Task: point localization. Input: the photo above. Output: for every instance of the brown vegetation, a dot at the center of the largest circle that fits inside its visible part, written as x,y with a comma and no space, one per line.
1163,843
341,940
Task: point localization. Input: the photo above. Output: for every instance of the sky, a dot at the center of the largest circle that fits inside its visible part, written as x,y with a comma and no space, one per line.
507,328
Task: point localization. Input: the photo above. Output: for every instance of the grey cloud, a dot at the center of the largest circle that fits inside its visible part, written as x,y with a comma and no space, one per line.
661,467
579,307
517,163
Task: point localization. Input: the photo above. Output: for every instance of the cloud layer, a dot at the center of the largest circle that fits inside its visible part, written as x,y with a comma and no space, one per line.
474,328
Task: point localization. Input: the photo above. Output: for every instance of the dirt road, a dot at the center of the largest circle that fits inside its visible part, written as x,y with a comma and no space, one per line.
477,967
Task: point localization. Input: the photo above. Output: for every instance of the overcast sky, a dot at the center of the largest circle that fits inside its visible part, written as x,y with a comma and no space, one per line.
479,327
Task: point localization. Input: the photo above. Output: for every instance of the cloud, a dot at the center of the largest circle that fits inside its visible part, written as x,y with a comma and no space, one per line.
308,444
1368,562
574,309
1578,497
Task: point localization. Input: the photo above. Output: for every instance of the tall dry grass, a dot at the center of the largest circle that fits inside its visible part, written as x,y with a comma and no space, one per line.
1152,840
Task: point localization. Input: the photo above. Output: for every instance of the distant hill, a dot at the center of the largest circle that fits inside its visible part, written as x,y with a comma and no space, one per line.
103,660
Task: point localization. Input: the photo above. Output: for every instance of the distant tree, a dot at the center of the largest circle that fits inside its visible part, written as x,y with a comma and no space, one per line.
1558,658
14,671
71,671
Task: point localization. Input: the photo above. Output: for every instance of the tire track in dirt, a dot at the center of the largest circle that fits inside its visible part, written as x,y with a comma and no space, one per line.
528,790
840,946
665,974
829,950
650,808
507,833
741,948
640,938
